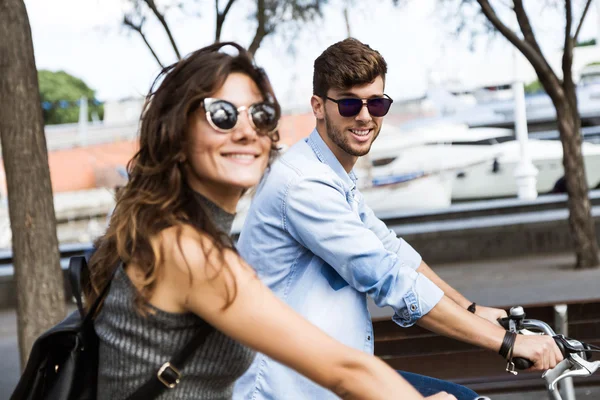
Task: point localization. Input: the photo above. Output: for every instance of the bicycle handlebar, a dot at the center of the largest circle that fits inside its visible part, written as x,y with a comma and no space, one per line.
577,354
528,324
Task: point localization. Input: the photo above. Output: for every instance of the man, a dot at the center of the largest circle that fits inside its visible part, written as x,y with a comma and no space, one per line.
318,246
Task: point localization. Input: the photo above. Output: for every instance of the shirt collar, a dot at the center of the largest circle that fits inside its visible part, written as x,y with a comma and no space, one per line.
326,156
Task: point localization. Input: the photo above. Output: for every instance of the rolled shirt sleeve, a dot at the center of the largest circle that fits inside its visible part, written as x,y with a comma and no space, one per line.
332,230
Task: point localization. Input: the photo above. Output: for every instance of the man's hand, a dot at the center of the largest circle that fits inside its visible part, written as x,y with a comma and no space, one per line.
441,396
489,313
540,349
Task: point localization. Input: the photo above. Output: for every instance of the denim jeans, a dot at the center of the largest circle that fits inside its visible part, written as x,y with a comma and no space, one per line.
429,386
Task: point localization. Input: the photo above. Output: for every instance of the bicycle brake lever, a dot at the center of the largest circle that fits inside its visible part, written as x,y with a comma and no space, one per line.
590,367
569,367
552,376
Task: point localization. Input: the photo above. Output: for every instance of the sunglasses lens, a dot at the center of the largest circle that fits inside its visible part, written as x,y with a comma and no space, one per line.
349,107
379,107
223,114
264,116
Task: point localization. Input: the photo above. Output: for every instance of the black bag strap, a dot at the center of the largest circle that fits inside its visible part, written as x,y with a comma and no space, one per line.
168,375
76,267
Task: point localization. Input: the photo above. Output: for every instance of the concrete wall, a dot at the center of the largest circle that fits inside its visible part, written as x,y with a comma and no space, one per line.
484,243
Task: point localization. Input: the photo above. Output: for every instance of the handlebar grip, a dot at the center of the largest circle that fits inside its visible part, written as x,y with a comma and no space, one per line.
522,363
561,347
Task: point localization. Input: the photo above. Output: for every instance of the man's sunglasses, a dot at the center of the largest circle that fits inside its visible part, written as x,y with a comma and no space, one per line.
223,116
350,107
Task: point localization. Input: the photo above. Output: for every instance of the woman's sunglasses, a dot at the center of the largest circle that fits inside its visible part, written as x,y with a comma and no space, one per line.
350,107
223,116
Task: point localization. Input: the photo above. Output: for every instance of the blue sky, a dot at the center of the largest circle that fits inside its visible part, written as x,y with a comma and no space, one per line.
84,38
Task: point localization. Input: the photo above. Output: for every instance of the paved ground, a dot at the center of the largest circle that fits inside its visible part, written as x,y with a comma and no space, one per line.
526,280
518,281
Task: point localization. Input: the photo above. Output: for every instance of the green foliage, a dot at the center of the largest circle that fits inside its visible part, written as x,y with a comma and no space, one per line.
590,42
534,87
60,94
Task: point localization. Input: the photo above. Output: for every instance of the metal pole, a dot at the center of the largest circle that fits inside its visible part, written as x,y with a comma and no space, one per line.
83,121
561,327
525,171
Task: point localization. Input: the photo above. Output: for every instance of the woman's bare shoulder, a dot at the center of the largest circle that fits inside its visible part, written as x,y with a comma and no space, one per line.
191,250
180,243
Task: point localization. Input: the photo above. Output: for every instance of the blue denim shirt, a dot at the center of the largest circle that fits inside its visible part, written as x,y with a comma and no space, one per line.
313,240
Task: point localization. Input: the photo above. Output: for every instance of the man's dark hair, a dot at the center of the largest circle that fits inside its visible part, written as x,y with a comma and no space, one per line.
346,64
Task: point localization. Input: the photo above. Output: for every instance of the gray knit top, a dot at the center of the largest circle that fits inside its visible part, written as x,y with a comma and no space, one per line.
133,347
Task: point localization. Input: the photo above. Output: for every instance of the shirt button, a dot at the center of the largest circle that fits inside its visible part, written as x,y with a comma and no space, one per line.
413,307
369,337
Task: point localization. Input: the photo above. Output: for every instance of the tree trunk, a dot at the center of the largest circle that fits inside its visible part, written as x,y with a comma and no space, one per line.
564,98
581,223
40,295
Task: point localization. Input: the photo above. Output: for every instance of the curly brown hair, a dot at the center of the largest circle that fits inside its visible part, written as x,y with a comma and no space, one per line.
157,195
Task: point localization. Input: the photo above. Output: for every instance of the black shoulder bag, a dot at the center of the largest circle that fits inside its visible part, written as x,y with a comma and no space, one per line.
63,363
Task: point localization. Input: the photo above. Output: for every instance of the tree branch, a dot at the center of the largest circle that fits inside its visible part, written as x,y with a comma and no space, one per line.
536,59
347,20
228,7
525,26
567,59
163,21
585,10
138,28
529,37
220,21
221,18
261,30
569,21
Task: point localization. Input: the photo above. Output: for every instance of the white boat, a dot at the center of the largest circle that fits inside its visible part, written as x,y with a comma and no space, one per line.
417,191
492,175
425,156
496,178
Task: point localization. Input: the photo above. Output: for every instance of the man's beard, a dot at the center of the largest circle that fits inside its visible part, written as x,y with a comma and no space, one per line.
343,142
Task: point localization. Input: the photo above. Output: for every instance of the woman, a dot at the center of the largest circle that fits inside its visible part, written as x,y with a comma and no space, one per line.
207,134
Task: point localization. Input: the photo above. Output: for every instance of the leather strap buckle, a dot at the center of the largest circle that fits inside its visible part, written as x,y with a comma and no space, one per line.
168,375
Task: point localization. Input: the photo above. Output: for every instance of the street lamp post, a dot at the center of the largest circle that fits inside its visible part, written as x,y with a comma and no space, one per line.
83,121
525,172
